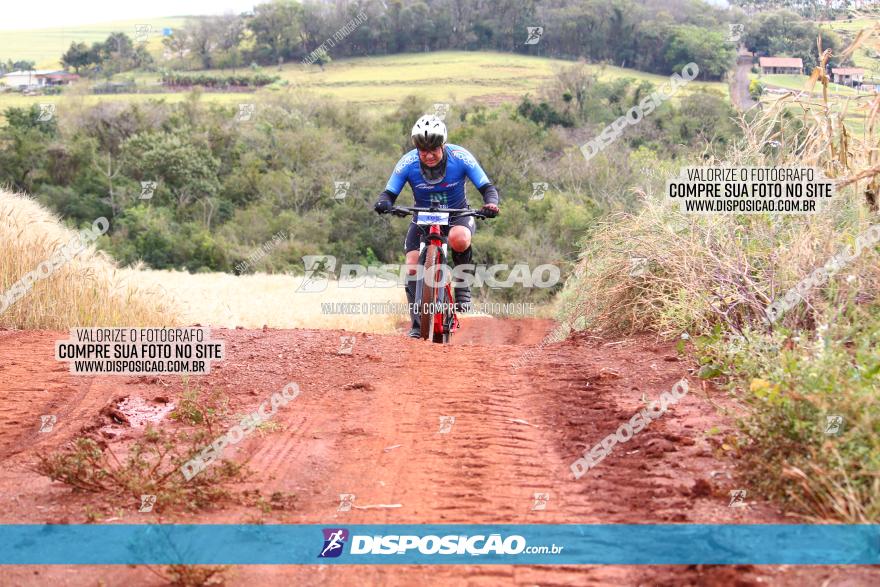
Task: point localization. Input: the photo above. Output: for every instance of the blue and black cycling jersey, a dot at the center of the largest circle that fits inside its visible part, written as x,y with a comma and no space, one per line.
447,192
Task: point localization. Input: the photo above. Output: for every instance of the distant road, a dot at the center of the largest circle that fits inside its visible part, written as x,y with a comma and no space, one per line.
739,91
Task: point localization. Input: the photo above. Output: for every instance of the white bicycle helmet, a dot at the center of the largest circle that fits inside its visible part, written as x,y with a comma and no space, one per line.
429,133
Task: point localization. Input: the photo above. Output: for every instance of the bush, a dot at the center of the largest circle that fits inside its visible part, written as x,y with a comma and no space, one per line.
543,113
218,81
756,89
153,462
794,448
152,468
152,236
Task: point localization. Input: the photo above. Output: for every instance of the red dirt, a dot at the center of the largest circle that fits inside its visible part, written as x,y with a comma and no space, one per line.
515,433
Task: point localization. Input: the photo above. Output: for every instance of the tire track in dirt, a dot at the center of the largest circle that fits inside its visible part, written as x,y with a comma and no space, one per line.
369,424
22,405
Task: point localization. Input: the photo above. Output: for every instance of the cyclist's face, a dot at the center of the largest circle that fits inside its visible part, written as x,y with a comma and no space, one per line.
432,157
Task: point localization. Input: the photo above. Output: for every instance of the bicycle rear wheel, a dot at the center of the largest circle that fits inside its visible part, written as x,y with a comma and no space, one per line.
428,304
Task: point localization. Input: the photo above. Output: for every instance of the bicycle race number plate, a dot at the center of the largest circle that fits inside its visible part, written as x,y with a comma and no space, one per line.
433,218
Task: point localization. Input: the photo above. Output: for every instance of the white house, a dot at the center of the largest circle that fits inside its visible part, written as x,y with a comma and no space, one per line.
848,76
784,65
37,78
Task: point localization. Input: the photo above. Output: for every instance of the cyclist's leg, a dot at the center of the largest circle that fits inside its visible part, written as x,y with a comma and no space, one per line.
461,232
411,249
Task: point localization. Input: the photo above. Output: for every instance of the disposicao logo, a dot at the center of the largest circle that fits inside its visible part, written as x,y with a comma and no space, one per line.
472,545
334,540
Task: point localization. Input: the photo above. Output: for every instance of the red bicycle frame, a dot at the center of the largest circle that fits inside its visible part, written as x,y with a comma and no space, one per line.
434,234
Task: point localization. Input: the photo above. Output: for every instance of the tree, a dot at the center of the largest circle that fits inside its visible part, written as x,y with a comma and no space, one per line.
706,48
230,58
416,19
276,28
116,44
323,59
756,89
812,9
703,116
784,33
184,166
24,65
79,56
29,119
315,25
202,40
118,53
210,37
111,124
23,147
229,30
177,43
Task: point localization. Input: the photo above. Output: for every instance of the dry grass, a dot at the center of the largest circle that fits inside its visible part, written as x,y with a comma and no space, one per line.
252,301
711,269
90,290
86,291
707,270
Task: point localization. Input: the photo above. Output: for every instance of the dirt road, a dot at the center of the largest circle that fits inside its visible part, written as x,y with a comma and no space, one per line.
369,423
739,89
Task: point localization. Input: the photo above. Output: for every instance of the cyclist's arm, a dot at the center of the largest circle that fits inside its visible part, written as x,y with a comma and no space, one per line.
397,180
479,178
387,196
490,194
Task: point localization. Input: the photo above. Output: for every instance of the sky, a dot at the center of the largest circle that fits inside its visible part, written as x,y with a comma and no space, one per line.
18,15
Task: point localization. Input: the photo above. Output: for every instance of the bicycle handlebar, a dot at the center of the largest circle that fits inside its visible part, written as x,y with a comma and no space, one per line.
453,212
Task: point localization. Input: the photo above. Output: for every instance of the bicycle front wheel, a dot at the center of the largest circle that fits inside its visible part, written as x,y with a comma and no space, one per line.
427,304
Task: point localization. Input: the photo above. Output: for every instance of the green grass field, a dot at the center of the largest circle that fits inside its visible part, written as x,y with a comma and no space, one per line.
799,83
444,75
475,73
856,109
381,82
852,25
45,46
838,95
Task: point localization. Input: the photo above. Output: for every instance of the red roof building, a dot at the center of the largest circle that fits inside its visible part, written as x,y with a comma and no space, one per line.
848,76
785,65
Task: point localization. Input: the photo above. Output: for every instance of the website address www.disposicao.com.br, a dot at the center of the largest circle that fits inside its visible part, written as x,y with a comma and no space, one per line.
335,540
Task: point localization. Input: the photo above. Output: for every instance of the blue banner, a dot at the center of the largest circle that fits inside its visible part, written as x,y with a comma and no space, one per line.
568,544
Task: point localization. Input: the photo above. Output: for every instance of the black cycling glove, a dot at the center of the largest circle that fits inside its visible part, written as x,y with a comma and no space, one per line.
383,207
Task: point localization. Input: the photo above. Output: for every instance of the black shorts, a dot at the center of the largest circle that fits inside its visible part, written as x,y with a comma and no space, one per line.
414,234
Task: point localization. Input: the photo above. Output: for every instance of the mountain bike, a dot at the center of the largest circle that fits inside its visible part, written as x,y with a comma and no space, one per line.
435,300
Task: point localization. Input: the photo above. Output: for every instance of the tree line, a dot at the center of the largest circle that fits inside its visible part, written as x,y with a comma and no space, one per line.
658,36
651,35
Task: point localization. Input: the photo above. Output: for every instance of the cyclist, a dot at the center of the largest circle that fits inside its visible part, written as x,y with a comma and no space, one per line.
436,171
